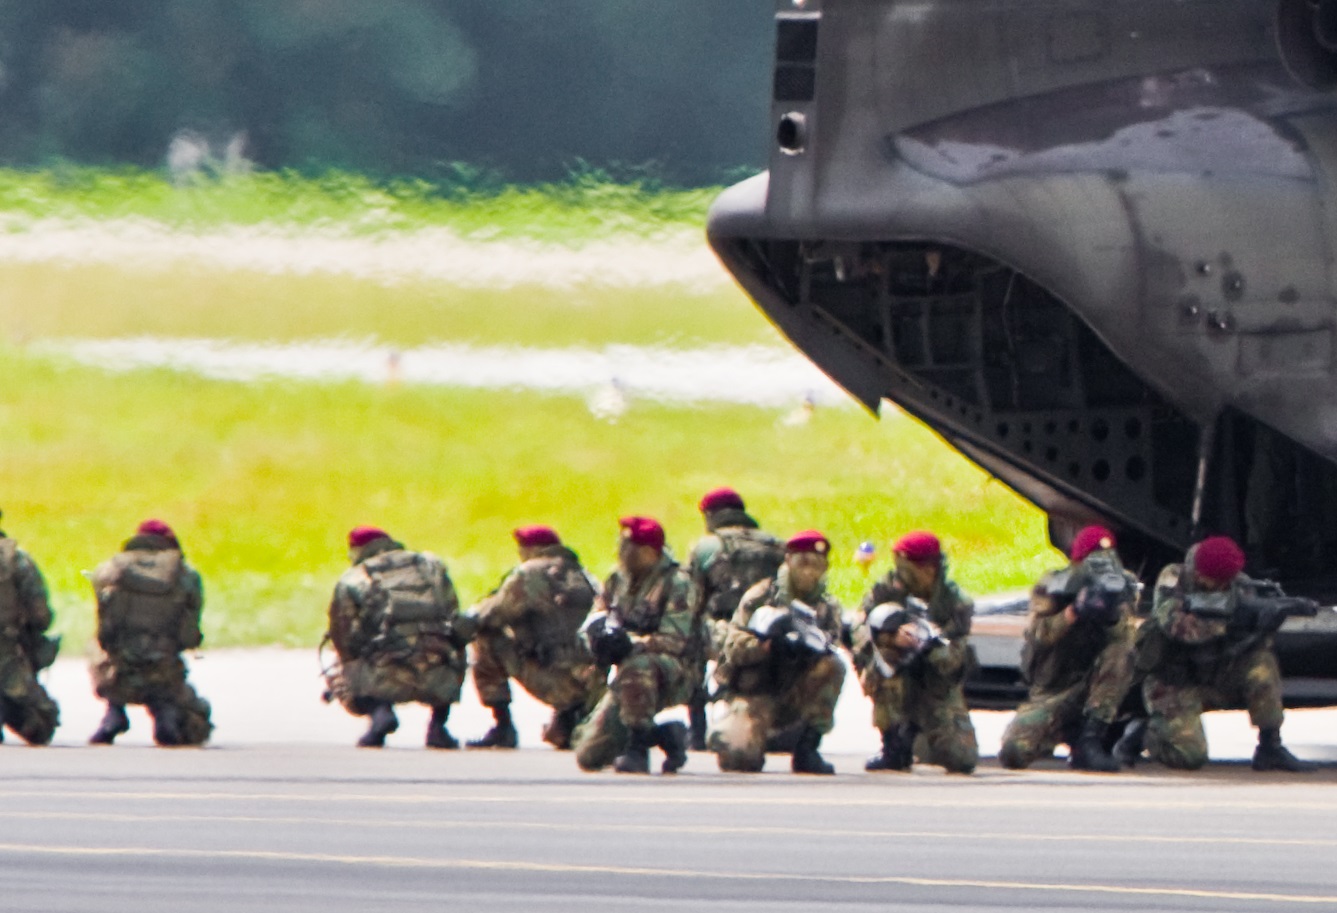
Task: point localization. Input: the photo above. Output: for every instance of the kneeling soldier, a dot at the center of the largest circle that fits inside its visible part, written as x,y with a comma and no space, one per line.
1208,645
395,627
527,630
148,611
779,665
25,650
642,623
1078,658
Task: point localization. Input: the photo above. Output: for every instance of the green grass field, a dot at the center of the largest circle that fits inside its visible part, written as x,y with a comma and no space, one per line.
263,480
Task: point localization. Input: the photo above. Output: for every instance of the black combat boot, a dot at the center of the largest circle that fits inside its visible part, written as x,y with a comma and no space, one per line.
167,724
438,736
672,740
1272,755
502,734
1129,747
557,732
383,722
1088,752
897,750
114,722
807,760
636,759
696,715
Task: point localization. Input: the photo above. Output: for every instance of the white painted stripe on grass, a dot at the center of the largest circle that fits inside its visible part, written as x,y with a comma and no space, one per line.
750,375
681,260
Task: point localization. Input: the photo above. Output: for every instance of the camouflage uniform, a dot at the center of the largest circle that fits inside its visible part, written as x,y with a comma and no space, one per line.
1196,663
388,655
149,602
527,631
658,613
25,706
1076,670
930,695
764,700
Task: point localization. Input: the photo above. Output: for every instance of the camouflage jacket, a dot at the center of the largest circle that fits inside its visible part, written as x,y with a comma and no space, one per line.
147,625
1179,646
658,611
361,622
1058,653
542,603
25,612
743,649
948,608
731,559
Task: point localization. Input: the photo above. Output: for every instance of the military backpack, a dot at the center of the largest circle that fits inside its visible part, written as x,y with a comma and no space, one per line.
746,557
143,603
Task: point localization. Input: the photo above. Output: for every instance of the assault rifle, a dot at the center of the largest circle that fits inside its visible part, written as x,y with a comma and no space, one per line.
794,629
1095,588
608,642
888,618
1260,606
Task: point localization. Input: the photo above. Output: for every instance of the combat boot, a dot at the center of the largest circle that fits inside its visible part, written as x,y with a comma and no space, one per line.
502,734
807,760
1129,747
636,759
114,722
1088,751
672,740
438,736
166,724
1272,755
557,732
696,715
383,722
897,750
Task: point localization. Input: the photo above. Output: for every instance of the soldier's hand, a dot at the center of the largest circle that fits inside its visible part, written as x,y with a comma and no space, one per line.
1070,614
908,638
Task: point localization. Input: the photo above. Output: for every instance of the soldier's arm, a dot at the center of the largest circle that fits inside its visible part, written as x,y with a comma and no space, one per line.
741,646
345,627
1175,619
507,604
675,626
961,615
1048,623
32,593
191,635
879,594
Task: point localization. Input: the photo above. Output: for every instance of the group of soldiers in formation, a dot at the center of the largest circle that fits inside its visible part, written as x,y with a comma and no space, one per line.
748,608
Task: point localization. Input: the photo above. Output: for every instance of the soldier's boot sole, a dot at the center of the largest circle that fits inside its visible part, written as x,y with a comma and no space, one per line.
880,763
1282,760
114,723
383,722
496,737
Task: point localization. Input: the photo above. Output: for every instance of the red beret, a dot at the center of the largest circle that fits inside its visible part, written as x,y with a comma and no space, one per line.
643,531
156,528
1090,539
361,535
721,499
808,541
1218,559
920,547
531,536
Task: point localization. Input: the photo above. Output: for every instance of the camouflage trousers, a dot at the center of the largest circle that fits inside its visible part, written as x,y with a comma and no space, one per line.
938,710
158,684
1175,736
644,684
1047,718
739,737
568,681
426,677
28,709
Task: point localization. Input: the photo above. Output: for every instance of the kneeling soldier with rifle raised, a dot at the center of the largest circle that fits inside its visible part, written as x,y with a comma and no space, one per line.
779,665
1208,645
1077,657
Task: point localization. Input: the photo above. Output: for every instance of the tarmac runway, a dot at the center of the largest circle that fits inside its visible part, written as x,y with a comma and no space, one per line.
299,820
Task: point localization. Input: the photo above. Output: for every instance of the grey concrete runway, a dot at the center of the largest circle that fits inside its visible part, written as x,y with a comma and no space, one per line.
324,828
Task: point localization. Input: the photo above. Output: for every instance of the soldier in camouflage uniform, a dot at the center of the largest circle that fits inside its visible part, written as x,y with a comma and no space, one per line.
1078,658
395,628
642,624
775,675
148,606
733,555
527,630
25,706
928,696
1202,650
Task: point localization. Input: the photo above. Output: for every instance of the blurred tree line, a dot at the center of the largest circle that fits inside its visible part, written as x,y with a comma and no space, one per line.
524,88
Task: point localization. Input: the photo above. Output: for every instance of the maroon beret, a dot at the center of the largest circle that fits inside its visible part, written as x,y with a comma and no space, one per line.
1218,559
361,535
1090,539
155,528
643,531
533,536
920,546
721,499
808,541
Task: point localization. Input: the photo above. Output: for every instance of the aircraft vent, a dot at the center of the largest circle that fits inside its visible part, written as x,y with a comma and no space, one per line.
796,58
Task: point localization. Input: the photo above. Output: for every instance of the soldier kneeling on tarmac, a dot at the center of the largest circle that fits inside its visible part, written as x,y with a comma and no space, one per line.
148,611
1077,657
528,630
25,650
396,630
779,665
1208,645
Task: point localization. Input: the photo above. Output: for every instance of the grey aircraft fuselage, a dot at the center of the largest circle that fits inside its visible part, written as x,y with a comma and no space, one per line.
1091,244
